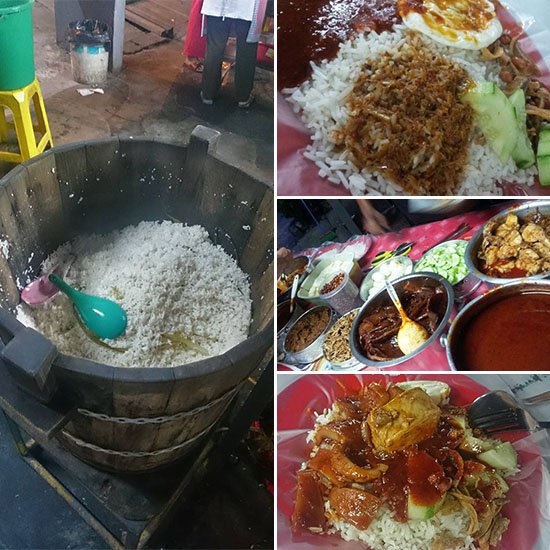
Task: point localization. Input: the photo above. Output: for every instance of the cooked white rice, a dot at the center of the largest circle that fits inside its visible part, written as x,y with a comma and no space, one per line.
320,101
385,533
168,277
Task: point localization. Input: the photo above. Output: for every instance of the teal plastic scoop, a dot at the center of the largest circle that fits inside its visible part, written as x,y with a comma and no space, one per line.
105,318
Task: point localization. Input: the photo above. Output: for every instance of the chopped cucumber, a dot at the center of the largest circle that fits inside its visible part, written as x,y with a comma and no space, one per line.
417,511
495,116
502,457
447,260
503,485
523,154
543,165
460,420
543,149
472,444
543,156
544,141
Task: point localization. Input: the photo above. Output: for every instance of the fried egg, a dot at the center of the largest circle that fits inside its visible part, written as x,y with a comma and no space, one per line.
467,24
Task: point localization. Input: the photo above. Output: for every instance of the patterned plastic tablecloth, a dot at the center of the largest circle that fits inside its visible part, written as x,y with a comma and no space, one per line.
424,236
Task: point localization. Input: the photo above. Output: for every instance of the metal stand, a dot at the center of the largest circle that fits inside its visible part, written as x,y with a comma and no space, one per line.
127,510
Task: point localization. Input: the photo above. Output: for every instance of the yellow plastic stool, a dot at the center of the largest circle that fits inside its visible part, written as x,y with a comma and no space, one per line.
19,103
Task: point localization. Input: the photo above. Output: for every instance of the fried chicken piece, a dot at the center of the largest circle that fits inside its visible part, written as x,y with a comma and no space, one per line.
405,420
533,233
529,261
509,225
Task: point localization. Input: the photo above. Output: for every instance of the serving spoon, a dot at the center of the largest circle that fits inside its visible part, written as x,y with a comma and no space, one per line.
411,334
293,293
103,317
42,289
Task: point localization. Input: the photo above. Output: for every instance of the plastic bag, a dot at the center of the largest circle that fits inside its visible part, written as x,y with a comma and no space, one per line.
529,495
89,31
297,175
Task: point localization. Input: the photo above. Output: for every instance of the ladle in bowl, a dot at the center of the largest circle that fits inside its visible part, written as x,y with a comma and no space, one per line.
411,334
103,317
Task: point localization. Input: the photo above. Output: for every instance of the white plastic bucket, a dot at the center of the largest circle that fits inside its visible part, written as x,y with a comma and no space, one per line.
89,63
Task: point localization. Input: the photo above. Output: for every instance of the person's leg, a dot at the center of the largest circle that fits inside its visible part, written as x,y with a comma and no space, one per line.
217,33
245,62
195,44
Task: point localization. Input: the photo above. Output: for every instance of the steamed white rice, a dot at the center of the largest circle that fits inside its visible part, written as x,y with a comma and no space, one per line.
169,278
385,533
320,101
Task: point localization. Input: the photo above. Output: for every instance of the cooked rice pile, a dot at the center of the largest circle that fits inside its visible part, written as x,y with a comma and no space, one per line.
323,104
405,116
186,299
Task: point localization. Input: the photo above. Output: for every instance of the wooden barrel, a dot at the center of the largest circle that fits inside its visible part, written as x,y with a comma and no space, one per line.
137,419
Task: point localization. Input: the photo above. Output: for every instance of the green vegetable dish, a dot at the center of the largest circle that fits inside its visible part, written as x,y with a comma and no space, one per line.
446,260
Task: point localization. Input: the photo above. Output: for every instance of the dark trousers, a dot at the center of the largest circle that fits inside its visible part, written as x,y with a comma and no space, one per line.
217,33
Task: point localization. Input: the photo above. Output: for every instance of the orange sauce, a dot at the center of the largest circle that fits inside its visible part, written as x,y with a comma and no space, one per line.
512,334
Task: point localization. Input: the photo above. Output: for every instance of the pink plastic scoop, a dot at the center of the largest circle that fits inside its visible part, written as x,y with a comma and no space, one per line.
42,289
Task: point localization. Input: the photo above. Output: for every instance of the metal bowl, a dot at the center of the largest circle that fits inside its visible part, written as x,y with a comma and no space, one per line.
453,341
315,350
382,298
475,242
282,308
298,262
368,283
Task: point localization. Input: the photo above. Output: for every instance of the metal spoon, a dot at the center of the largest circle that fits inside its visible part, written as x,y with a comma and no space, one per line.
411,334
293,293
103,317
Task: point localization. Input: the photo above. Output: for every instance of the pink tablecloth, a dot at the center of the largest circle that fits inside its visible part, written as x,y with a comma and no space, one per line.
424,237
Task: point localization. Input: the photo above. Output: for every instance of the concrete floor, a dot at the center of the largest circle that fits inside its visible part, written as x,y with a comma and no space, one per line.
153,96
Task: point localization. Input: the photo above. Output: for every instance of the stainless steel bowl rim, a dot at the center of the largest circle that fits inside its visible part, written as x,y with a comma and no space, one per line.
315,342
433,338
290,321
461,314
472,266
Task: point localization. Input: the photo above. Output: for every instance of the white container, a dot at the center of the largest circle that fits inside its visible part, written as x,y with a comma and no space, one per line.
89,63
388,270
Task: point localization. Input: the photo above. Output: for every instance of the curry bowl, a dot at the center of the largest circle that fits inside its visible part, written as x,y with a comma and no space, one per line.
440,302
471,257
503,329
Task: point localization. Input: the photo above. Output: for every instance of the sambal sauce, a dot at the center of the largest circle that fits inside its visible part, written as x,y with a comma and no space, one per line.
511,334
312,30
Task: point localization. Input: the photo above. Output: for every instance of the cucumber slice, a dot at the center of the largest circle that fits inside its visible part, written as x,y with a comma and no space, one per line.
544,134
503,457
523,153
419,512
543,165
495,116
